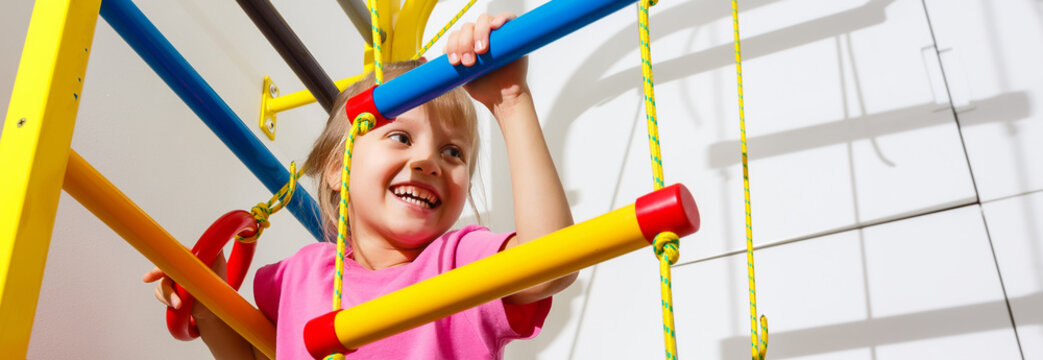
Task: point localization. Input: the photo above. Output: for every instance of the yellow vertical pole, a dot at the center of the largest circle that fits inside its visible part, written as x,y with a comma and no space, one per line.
33,153
409,29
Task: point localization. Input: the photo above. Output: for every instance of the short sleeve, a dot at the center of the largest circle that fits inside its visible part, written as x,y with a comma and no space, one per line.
506,322
474,243
268,289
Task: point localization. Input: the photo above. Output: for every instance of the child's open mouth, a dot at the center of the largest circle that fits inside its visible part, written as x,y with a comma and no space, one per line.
416,195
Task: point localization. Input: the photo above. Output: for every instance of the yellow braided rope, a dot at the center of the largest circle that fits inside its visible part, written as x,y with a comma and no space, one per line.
665,244
758,344
650,110
378,53
362,124
444,29
262,211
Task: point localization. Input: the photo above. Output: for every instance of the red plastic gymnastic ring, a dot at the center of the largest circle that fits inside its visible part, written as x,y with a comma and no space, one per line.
179,321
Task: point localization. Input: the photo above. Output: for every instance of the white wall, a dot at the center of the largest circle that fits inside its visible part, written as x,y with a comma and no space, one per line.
894,188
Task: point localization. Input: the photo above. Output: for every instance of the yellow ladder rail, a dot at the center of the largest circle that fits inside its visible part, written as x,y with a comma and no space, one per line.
33,153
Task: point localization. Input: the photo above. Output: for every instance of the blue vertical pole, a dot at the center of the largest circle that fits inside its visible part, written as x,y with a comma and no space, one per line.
149,43
516,38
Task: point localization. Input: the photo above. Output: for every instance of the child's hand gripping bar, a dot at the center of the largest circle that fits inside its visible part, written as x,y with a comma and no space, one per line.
549,257
179,321
516,38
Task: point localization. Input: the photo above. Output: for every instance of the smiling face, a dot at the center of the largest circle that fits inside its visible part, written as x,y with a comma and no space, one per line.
410,180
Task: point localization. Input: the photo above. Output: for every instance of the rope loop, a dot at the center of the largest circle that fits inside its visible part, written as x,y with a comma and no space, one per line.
652,2
262,211
666,246
365,123
762,350
334,356
279,200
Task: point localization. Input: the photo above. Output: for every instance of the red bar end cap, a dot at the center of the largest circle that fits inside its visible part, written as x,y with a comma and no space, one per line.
668,209
320,336
363,103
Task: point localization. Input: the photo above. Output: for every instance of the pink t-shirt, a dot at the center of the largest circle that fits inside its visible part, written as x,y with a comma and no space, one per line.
299,288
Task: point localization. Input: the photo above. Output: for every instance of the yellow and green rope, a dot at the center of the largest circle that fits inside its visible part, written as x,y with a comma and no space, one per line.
362,124
665,244
378,52
758,343
650,110
443,30
262,211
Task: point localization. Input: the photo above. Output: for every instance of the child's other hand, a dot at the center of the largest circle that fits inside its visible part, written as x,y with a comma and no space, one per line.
495,88
165,286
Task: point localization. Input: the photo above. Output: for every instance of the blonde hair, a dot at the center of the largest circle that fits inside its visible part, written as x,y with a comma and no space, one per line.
454,107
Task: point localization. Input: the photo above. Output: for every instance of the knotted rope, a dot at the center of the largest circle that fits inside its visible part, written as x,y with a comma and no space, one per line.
262,211
665,244
362,124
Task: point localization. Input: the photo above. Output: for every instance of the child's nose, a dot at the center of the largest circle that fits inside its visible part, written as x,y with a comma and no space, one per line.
426,163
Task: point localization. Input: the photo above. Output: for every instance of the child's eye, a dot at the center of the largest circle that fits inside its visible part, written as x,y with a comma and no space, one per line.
400,137
452,151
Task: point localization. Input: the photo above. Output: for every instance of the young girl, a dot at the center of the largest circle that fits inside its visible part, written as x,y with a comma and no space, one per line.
410,180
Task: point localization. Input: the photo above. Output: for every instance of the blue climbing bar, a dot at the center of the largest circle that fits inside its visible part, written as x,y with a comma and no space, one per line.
541,26
153,47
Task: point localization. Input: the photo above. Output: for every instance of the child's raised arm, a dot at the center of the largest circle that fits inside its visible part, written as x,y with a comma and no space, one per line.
540,206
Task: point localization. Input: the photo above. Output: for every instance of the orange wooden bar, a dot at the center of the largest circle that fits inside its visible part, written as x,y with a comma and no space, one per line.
114,208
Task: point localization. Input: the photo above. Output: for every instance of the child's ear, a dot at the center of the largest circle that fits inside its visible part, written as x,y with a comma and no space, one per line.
332,177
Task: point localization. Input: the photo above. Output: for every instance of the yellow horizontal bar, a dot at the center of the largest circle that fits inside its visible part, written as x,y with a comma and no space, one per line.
114,208
304,97
563,252
37,132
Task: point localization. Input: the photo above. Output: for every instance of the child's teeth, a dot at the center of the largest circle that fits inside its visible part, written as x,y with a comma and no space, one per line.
416,195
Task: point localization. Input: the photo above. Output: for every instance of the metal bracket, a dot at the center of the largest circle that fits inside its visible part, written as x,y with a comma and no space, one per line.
267,119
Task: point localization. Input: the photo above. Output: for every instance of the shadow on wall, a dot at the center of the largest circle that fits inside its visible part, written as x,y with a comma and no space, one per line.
1007,107
892,329
593,84
995,42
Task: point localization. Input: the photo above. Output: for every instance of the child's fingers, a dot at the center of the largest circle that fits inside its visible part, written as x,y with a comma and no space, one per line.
481,34
163,293
153,275
166,295
168,287
501,19
450,48
465,44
